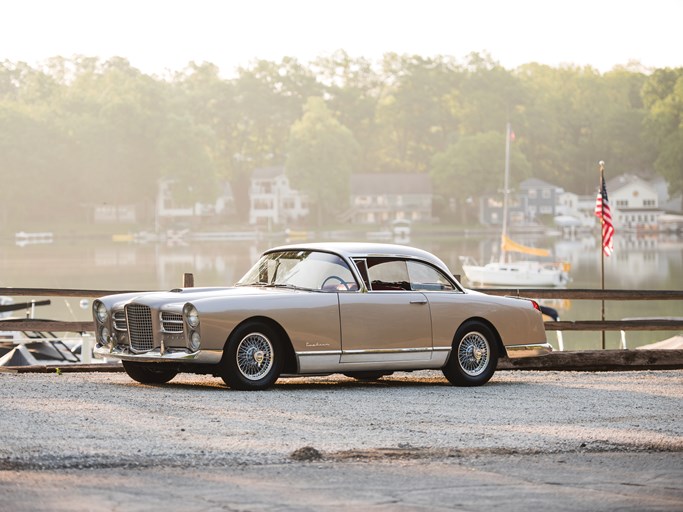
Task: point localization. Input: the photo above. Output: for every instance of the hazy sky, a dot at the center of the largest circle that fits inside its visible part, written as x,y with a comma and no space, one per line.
164,35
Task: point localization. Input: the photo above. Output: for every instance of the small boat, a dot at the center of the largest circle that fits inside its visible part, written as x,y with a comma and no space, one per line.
23,238
37,347
522,273
526,273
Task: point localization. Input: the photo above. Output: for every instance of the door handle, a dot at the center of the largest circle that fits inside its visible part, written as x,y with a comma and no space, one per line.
419,301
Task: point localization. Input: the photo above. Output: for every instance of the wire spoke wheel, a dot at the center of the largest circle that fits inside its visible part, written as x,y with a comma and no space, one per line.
474,354
254,356
474,357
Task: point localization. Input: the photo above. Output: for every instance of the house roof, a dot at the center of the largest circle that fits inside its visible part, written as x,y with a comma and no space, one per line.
266,173
626,179
536,183
390,183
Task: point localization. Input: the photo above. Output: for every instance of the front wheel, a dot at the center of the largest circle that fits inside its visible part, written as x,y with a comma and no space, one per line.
253,357
474,357
152,373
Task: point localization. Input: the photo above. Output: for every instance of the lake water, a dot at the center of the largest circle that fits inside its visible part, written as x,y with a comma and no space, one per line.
647,263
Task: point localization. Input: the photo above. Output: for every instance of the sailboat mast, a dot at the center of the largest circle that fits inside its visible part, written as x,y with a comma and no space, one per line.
506,193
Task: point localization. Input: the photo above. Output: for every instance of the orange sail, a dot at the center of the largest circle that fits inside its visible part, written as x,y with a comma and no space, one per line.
508,245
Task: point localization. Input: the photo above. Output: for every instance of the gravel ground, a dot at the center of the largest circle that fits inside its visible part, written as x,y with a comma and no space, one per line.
56,429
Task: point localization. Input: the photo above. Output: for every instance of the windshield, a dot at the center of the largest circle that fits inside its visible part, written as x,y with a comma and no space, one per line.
309,270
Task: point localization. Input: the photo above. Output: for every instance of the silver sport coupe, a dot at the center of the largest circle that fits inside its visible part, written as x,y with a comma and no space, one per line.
364,310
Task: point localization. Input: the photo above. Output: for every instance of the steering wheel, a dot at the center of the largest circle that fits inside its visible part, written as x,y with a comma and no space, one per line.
341,281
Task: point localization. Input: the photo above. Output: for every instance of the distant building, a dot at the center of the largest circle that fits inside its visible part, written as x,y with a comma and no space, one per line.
381,198
671,205
540,197
575,211
272,200
168,208
634,203
114,214
491,209
532,199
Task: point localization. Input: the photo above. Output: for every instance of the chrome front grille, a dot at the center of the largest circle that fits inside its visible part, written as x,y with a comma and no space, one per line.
120,321
140,327
171,322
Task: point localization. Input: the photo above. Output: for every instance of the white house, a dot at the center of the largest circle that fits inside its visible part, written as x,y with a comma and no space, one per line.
272,200
575,211
634,203
168,209
381,198
107,213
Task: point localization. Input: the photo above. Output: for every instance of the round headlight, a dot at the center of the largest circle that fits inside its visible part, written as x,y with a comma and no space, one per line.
104,336
194,341
101,312
192,316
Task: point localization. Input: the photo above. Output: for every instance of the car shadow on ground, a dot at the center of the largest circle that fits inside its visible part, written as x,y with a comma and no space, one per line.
336,381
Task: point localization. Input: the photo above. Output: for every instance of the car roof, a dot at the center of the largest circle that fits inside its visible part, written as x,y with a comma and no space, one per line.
365,249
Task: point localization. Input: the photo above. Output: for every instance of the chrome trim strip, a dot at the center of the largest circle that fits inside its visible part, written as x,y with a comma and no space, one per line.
319,353
155,355
118,318
167,317
530,350
387,351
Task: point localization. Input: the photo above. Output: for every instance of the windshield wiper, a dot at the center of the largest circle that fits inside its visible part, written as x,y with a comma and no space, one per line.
287,285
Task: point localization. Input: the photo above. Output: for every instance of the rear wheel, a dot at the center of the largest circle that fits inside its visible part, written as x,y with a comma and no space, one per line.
149,373
253,357
474,357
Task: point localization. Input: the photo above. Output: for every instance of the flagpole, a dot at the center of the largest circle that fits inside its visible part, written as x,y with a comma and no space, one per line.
506,193
602,254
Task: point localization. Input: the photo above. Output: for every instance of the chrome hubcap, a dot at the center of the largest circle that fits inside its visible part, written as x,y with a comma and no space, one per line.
474,354
254,356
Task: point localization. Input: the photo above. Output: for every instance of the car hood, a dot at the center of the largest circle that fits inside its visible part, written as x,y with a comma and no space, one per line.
180,296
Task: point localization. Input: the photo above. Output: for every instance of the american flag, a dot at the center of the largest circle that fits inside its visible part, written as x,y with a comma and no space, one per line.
602,211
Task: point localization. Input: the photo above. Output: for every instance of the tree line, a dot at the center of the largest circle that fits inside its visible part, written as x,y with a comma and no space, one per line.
81,131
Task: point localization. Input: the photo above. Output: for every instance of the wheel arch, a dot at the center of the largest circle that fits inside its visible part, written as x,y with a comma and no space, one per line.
290,363
499,342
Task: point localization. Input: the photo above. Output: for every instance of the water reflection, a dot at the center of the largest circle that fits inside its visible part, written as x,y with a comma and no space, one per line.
638,263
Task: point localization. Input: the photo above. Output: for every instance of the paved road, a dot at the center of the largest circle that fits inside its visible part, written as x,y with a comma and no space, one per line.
527,440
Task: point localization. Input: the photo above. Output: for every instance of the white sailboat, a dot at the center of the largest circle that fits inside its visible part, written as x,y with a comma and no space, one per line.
523,273
528,273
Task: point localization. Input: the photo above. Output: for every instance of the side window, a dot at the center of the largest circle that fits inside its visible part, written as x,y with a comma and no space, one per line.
426,278
388,274
363,270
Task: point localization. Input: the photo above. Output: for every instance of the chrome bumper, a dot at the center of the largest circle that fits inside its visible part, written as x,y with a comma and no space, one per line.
533,350
155,355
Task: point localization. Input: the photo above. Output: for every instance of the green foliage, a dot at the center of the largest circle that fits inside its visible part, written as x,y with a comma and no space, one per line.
322,154
79,132
414,112
474,165
663,97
